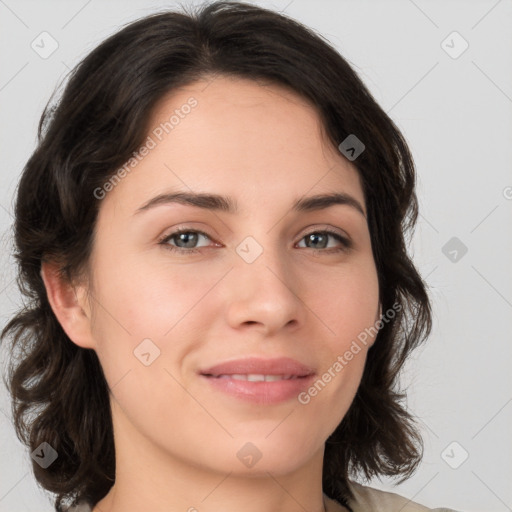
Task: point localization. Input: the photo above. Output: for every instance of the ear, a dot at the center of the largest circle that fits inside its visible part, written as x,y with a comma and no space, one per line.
69,304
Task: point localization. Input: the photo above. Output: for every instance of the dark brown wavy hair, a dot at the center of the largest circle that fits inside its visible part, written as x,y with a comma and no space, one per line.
59,392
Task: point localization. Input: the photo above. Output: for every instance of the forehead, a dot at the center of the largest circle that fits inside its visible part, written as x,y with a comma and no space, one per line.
237,137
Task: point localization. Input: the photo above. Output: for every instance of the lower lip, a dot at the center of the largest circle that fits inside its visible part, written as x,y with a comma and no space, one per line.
261,392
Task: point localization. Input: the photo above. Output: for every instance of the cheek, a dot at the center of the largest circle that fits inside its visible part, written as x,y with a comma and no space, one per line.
147,301
347,303
347,306
150,309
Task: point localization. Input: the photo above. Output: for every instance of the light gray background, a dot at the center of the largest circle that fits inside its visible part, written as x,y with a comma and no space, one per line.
456,115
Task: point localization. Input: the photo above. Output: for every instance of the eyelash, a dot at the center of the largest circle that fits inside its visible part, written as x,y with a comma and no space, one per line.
346,243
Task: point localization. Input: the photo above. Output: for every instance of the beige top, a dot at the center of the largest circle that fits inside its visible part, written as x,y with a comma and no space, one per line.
367,499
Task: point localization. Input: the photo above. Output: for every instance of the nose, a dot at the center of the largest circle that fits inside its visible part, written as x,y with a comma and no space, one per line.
264,295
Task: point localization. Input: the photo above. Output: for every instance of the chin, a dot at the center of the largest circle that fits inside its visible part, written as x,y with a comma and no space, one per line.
279,455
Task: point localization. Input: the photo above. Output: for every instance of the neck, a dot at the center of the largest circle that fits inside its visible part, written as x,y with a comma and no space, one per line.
148,478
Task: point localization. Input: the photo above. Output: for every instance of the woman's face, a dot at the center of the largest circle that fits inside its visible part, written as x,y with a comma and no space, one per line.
263,281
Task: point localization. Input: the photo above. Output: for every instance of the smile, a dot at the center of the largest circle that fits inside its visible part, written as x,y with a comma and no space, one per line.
257,388
255,377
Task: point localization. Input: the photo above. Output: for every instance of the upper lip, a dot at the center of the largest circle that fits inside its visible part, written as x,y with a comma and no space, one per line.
258,366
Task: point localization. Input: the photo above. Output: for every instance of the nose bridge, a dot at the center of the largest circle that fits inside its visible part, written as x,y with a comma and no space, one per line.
262,287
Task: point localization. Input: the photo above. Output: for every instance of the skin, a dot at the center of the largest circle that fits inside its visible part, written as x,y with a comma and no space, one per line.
176,437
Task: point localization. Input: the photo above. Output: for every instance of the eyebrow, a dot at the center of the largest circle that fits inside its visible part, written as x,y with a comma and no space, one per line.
227,204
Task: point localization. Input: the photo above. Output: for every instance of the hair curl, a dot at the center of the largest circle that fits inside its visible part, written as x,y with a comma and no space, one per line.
59,392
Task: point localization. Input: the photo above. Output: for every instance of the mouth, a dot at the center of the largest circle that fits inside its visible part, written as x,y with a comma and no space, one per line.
255,377
260,381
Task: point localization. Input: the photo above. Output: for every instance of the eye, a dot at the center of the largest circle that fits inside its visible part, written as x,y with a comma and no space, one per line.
320,240
185,240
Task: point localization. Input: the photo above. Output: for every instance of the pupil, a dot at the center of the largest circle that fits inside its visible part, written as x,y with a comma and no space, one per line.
184,237
315,237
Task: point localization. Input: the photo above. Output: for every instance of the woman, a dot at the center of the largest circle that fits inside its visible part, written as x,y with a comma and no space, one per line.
211,236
